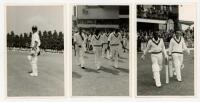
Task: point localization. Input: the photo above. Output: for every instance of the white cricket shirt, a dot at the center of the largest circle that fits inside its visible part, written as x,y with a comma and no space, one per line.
35,38
96,40
177,45
154,46
78,39
115,38
105,38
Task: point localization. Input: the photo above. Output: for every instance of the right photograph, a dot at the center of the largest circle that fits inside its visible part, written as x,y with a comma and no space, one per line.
165,50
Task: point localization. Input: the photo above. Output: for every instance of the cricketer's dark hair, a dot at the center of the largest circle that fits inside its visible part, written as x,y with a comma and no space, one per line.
97,31
116,30
80,33
34,28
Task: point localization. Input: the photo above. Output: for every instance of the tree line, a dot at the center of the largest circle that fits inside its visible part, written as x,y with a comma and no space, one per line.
49,40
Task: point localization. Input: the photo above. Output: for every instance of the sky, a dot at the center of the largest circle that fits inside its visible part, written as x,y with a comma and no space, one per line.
187,12
20,19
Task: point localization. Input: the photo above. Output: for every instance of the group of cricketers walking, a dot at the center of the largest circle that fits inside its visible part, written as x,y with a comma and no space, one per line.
156,48
104,44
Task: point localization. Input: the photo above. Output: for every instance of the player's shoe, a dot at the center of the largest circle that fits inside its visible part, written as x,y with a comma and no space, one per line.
109,57
179,80
98,67
30,71
175,73
116,66
33,74
158,86
29,57
83,67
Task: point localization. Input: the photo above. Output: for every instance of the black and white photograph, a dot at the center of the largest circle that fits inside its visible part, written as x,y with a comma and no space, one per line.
35,51
100,48
165,50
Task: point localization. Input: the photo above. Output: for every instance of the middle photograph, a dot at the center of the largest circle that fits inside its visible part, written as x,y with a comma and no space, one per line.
100,43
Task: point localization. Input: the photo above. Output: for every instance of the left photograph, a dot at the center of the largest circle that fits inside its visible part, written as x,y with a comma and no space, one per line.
35,51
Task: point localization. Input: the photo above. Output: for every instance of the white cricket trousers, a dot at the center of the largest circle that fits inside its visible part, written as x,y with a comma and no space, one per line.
157,61
143,46
97,53
177,61
125,42
34,64
115,52
80,56
105,51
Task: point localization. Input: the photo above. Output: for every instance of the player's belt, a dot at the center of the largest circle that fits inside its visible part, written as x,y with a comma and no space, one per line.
178,52
156,52
104,43
114,44
97,45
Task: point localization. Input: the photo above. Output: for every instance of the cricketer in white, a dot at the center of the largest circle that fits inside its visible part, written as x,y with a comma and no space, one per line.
33,57
79,38
97,45
114,41
176,47
156,47
105,51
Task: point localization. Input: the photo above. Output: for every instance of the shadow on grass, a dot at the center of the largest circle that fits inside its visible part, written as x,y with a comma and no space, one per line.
76,75
108,70
123,70
120,57
121,61
91,70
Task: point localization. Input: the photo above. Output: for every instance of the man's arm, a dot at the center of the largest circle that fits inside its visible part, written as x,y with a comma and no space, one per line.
146,50
109,39
35,45
74,44
121,40
185,47
92,40
170,46
34,49
164,50
75,39
122,44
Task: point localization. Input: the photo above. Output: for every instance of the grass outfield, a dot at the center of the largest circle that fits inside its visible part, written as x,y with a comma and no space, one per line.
106,82
50,81
146,85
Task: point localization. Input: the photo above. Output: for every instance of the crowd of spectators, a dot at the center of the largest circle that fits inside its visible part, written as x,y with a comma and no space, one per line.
144,36
153,12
